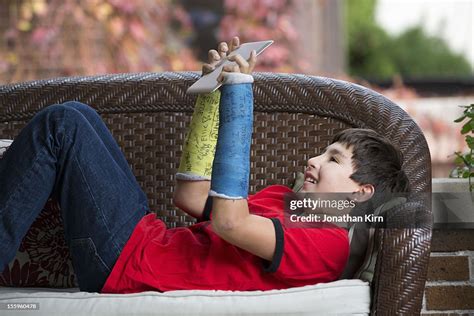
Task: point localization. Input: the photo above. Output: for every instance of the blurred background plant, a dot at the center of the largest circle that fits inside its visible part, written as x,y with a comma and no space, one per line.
374,53
255,20
465,161
68,37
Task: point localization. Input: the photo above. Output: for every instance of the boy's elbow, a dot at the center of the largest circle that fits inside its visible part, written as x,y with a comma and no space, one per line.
191,196
179,201
189,206
228,216
224,227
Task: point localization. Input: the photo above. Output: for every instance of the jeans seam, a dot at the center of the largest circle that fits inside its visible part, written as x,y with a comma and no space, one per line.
92,196
90,190
96,253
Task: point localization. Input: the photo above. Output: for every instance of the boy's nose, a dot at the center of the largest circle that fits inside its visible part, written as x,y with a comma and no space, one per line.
313,163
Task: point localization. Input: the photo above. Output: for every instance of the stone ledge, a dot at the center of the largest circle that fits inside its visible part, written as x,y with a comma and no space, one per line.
450,185
452,203
447,314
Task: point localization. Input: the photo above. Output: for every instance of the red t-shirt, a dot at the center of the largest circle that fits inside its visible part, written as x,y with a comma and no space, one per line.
159,259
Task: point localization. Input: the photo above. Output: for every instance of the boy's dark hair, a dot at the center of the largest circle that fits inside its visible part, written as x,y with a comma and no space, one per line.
375,161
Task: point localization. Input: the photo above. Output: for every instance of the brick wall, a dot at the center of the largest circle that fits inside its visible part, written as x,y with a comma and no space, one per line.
449,287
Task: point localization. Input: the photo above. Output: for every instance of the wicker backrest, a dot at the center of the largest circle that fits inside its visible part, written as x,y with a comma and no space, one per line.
295,118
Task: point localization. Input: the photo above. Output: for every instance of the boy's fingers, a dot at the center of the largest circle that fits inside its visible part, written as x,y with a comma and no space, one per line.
207,68
252,60
223,48
220,78
243,64
213,56
234,43
226,70
231,68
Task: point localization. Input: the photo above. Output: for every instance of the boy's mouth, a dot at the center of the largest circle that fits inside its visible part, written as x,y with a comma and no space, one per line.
310,178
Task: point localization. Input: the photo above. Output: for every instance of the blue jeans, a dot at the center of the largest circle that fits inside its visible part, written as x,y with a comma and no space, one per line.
66,151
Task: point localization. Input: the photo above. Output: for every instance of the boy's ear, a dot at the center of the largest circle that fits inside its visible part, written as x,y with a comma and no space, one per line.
364,193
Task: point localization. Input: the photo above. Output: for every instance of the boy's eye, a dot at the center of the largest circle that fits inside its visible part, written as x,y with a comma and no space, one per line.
333,159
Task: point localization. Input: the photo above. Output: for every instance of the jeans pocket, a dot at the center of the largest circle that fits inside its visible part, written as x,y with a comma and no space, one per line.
91,270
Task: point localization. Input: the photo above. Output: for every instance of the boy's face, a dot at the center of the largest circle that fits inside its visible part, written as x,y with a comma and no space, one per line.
331,171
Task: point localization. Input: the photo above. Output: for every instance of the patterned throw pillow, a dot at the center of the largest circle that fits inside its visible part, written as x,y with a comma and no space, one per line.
43,259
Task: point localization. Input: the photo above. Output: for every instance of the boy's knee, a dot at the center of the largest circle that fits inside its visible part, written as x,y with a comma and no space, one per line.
81,107
51,112
59,113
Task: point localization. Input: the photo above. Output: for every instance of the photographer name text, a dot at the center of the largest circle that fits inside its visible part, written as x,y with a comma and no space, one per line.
346,218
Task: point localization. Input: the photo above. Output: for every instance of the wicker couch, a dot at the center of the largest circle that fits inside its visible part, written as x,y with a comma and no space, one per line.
295,117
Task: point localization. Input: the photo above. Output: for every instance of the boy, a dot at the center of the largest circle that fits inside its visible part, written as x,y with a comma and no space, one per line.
67,150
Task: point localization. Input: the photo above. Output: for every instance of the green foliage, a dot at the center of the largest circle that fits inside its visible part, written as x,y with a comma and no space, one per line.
373,53
465,161
366,41
417,54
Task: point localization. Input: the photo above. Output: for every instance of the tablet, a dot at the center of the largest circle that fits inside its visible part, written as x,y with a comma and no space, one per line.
208,83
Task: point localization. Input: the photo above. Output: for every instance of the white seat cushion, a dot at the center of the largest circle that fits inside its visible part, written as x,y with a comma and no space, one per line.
342,297
4,144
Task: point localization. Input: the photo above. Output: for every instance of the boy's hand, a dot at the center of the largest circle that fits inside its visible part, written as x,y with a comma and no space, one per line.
214,57
241,65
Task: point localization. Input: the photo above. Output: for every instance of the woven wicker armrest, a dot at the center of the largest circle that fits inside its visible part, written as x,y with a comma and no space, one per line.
295,118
